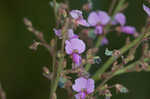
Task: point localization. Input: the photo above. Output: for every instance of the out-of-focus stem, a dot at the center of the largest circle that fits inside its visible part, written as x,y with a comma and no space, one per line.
120,4
2,93
54,83
100,71
112,6
55,9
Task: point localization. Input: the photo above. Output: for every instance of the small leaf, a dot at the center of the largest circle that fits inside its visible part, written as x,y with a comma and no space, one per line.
124,90
108,53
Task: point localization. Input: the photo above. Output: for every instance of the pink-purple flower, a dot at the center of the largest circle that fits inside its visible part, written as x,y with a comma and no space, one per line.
78,18
104,41
98,20
70,33
75,47
84,87
146,9
120,18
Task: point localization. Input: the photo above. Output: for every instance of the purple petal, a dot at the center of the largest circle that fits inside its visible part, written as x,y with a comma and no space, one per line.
120,18
76,14
104,41
80,95
98,30
128,29
80,84
104,18
83,22
57,32
146,9
77,59
78,45
93,18
71,34
90,86
68,47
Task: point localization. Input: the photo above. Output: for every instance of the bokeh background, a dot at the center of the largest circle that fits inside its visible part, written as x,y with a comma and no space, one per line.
21,68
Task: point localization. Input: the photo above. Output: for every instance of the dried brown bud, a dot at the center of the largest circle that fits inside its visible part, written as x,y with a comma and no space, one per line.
47,73
34,45
116,53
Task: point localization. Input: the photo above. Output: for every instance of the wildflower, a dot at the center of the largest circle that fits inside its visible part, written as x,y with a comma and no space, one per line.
146,9
70,33
104,41
57,32
98,20
84,87
121,19
78,18
75,47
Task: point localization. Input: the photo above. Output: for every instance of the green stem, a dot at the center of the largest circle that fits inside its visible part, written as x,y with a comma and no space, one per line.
100,71
55,9
55,79
129,67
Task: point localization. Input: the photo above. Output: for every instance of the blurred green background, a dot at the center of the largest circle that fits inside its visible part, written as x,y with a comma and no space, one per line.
21,68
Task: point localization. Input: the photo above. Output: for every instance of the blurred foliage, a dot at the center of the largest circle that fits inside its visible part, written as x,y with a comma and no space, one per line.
21,68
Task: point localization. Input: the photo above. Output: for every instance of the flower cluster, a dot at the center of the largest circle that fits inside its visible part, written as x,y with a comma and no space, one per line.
97,26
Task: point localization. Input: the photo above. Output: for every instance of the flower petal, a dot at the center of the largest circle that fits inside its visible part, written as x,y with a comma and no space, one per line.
90,86
104,18
57,32
77,59
93,18
68,47
104,41
98,30
83,22
71,34
80,84
80,95
128,29
78,45
146,9
76,14
120,18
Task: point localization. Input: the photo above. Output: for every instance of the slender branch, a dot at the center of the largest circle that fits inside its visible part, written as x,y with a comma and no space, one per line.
129,67
121,71
112,6
55,9
100,71
2,93
54,83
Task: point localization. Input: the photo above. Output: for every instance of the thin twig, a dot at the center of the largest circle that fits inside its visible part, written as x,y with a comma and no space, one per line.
2,93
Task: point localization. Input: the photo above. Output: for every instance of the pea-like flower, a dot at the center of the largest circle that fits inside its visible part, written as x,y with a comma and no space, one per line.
70,33
75,47
120,18
146,9
78,18
84,87
104,41
98,20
